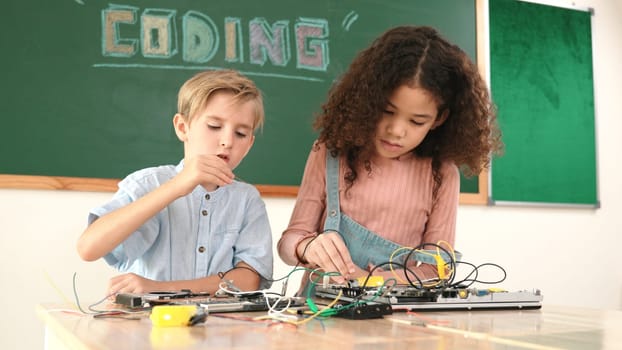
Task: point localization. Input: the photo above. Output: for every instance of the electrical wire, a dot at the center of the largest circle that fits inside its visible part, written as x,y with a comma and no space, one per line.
446,259
467,282
107,312
278,304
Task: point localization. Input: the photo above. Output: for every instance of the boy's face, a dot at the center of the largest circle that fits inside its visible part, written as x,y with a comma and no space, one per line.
223,128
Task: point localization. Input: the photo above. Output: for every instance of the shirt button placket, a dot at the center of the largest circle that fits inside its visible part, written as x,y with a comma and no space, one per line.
204,212
202,248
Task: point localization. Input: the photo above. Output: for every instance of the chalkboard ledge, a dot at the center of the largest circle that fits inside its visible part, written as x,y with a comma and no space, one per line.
110,185
105,185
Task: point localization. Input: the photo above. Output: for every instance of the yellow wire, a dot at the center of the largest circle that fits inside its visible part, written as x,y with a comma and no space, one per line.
395,273
62,295
432,255
391,264
451,251
449,248
438,253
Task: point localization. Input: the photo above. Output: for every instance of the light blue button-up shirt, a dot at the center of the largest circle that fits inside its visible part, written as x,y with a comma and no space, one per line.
195,236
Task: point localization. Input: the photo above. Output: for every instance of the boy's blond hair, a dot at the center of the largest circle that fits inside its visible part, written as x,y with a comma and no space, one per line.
195,93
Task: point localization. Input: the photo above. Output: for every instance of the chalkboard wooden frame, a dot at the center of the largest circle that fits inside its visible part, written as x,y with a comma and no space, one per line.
16,181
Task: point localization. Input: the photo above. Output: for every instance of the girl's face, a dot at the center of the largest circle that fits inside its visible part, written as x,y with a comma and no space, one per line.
410,114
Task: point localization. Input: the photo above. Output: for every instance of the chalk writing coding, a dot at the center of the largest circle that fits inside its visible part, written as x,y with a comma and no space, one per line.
267,43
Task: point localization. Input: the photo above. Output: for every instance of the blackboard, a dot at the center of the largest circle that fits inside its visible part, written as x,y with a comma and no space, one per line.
89,87
542,83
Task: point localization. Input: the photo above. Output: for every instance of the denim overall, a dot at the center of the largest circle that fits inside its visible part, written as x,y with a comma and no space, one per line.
365,246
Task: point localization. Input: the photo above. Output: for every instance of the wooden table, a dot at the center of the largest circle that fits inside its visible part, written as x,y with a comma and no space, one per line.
552,327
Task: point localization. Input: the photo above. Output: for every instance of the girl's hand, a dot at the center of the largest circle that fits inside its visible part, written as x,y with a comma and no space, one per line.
329,252
208,171
131,283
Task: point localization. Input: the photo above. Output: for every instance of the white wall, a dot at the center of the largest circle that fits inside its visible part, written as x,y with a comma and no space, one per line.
570,254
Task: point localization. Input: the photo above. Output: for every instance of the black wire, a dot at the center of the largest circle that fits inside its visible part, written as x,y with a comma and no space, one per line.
304,251
449,283
452,263
286,277
391,263
470,279
461,283
476,271
444,284
223,274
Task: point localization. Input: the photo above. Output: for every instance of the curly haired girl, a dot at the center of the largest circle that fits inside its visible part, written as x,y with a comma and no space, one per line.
411,110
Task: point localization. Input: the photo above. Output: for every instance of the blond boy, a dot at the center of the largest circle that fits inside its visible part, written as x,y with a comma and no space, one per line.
191,225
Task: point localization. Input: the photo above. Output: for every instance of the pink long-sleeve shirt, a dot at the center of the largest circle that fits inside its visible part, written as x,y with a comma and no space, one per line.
395,201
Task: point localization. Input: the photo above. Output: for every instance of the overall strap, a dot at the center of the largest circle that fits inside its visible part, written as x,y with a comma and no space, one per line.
333,212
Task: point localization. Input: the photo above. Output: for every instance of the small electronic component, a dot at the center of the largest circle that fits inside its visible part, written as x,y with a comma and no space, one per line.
129,300
146,300
364,311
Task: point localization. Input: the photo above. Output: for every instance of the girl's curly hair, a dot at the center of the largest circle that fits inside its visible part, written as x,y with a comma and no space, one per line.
416,57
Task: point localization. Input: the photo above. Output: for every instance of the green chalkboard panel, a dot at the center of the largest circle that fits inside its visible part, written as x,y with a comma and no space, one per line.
541,80
89,87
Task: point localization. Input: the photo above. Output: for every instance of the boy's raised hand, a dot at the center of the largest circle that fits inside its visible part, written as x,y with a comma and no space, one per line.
208,171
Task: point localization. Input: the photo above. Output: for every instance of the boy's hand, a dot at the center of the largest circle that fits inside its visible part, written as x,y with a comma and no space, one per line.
329,252
130,283
208,171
